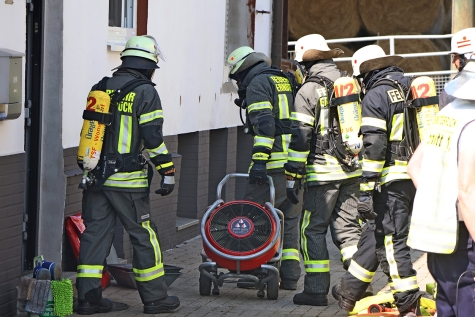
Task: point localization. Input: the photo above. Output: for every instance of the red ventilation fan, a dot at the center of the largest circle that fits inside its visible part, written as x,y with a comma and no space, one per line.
246,239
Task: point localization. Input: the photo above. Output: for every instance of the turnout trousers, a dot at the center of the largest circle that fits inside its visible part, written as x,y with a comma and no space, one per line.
290,266
446,269
383,242
332,204
99,212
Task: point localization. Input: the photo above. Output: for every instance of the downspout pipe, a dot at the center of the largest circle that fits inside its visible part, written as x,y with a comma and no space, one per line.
277,23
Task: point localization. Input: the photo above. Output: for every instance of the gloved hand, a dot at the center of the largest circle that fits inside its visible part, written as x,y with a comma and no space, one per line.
258,173
365,206
293,176
168,180
293,185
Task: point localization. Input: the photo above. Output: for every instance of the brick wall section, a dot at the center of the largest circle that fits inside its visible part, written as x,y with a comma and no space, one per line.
231,151
12,196
193,191
218,142
243,159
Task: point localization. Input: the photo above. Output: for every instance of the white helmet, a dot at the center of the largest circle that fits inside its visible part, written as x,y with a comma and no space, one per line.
463,42
372,57
317,49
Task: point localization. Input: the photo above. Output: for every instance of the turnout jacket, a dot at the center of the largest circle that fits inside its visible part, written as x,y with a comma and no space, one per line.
309,124
269,100
385,157
137,124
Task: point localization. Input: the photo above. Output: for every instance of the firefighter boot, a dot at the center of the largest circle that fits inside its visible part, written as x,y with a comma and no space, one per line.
89,308
161,306
345,303
316,299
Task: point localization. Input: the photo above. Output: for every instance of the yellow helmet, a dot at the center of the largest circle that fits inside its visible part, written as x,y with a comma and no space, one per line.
237,58
144,46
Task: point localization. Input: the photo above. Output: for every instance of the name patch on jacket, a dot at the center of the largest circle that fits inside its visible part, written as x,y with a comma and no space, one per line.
125,105
395,95
281,84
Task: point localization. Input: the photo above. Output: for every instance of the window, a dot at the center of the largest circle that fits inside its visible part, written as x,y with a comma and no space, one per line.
122,13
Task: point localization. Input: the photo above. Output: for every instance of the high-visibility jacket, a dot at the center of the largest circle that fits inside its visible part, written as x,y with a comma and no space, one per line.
270,101
138,121
382,125
434,221
307,148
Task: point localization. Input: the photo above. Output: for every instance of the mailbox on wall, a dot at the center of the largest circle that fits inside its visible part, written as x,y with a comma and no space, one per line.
11,82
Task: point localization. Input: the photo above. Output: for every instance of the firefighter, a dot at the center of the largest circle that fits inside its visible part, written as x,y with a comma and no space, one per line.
461,47
386,191
332,193
267,95
442,222
137,120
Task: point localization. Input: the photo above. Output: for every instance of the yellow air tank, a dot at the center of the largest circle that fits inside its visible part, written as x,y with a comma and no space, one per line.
92,134
349,113
423,87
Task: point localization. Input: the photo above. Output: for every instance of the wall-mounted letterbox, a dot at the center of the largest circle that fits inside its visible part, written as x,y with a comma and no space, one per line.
11,81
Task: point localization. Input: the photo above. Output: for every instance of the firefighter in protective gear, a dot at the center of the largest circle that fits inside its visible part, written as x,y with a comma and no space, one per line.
461,48
386,191
332,192
442,169
267,95
137,123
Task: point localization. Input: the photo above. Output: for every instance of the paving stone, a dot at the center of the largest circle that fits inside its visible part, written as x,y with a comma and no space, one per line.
234,301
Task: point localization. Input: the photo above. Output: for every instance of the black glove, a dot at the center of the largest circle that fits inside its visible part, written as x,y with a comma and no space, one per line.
168,180
293,185
293,176
258,173
365,206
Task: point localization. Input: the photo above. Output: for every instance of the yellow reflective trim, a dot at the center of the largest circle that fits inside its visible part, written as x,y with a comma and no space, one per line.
347,252
360,273
317,177
147,117
303,237
90,271
164,165
324,113
388,245
161,149
290,254
149,274
263,141
404,284
397,127
373,166
260,156
302,117
125,134
314,266
259,106
128,176
297,156
276,156
364,187
374,122
127,183
275,164
284,112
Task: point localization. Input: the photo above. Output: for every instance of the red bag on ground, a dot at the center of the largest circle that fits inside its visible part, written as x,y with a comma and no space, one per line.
74,228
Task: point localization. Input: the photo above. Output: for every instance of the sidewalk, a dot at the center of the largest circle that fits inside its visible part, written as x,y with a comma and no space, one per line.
234,301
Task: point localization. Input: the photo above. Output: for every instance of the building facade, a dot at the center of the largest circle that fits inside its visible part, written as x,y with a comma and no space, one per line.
68,46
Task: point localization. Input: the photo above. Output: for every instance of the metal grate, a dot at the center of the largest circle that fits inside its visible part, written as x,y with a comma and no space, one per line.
440,81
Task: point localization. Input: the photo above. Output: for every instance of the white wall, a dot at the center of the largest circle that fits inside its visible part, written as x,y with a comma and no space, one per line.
263,27
192,36
13,37
85,59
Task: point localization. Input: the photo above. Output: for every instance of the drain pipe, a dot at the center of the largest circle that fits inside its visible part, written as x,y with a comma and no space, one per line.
277,22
